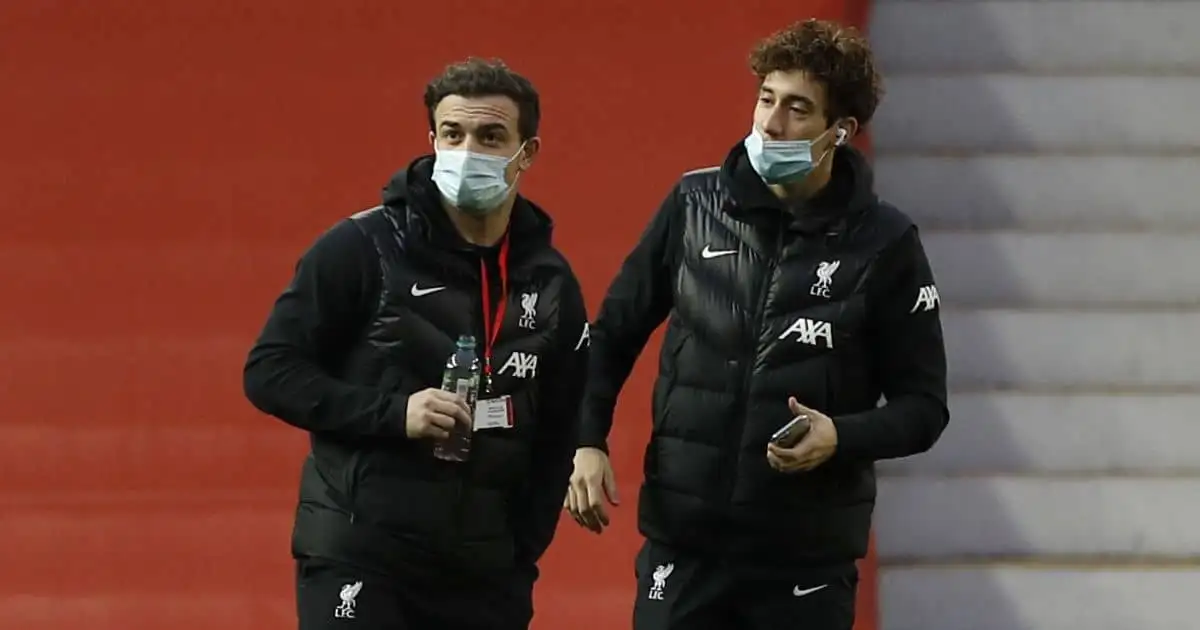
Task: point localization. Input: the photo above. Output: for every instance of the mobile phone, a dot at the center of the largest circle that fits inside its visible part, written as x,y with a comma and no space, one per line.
790,433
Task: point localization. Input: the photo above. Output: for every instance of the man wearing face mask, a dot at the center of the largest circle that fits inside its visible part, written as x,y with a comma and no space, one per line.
795,299
388,535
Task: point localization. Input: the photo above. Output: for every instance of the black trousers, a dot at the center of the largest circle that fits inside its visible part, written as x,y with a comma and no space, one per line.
335,596
677,591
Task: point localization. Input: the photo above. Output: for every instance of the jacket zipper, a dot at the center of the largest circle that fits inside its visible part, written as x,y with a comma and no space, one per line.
455,533
462,471
739,423
352,484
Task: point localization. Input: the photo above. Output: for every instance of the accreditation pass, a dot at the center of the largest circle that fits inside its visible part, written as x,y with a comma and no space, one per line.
493,413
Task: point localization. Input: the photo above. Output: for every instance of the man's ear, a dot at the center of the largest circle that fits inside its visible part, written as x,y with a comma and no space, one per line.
529,153
432,140
848,126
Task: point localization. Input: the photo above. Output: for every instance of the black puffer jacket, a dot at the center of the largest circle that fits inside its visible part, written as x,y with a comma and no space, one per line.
369,319
833,303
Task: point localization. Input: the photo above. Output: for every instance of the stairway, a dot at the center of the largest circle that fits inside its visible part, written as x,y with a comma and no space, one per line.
138,489
1051,153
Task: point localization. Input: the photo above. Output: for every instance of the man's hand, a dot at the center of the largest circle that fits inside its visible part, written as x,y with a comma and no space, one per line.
591,484
433,412
813,450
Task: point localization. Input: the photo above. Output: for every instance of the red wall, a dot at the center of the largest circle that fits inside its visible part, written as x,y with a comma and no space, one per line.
161,167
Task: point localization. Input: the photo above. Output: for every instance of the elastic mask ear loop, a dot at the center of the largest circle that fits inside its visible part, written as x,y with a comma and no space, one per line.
517,177
840,141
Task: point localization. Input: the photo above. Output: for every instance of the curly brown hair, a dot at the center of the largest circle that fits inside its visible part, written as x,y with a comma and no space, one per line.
836,56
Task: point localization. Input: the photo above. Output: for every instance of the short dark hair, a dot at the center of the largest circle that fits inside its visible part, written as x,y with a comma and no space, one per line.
478,77
836,56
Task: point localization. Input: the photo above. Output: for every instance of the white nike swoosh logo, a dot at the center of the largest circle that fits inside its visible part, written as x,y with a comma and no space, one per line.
711,253
418,291
799,592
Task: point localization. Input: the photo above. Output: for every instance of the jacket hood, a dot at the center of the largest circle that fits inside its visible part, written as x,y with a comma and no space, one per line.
411,192
851,190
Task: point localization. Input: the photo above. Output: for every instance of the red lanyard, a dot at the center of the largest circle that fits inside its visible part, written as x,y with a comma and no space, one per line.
491,327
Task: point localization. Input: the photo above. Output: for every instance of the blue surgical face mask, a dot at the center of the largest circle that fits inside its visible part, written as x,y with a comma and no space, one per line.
782,161
472,182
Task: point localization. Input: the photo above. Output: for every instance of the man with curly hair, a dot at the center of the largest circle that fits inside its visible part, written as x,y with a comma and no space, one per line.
796,300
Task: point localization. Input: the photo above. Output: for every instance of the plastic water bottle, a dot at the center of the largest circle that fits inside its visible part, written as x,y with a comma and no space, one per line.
462,378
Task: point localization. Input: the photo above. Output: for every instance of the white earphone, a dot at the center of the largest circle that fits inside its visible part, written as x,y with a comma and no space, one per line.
841,136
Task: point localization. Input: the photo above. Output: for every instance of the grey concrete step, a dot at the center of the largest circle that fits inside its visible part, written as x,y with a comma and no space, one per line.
1038,598
1125,37
1055,434
1002,112
1023,269
931,518
1033,192
1056,350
